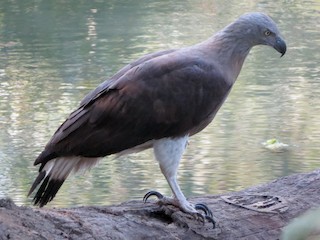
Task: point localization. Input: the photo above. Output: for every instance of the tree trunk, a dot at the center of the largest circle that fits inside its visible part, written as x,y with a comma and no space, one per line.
256,213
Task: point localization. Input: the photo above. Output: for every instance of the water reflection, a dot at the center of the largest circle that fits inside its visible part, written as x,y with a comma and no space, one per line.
53,53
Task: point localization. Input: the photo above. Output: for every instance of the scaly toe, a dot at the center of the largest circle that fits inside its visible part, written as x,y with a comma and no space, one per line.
185,206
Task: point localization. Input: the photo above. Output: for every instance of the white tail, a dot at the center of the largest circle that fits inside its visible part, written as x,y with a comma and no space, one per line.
55,172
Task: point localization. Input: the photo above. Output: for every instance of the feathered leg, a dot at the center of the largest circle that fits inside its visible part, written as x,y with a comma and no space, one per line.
168,152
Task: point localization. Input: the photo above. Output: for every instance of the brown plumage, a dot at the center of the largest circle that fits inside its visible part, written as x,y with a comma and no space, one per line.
164,95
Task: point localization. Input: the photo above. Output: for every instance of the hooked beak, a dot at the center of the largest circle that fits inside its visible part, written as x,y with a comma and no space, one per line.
280,46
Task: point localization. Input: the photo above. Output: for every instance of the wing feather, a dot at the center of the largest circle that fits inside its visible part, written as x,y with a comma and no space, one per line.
161,95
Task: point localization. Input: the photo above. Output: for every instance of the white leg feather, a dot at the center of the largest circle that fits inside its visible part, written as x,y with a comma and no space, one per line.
168,152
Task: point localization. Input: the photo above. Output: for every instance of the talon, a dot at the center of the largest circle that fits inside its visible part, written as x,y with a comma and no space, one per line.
206,217
186,207
208,213
152,193
204,208
199,215
210,219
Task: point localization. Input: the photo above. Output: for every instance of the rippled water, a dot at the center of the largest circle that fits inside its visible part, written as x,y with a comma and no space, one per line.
54,52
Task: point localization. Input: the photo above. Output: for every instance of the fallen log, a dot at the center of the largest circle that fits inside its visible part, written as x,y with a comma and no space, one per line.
258,212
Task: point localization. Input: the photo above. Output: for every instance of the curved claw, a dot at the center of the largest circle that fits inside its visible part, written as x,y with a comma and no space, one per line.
206,217
208,213
204,208
199,215
199,206
152,193
210,219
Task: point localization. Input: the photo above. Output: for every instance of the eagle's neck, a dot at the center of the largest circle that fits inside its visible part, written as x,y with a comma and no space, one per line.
230,47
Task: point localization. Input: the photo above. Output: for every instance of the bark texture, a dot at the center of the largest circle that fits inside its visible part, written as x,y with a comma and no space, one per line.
255,213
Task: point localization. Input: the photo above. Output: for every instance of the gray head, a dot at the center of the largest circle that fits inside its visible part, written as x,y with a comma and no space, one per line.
258,28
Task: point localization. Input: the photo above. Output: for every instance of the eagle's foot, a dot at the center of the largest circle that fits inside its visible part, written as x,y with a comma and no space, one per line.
184,205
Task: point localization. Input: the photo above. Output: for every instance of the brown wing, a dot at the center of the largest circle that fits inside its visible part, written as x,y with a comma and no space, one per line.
166,95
